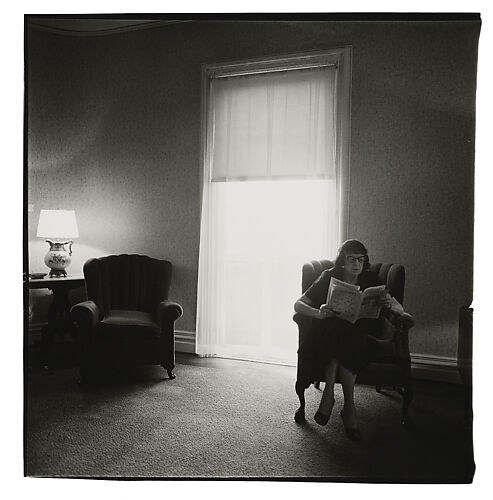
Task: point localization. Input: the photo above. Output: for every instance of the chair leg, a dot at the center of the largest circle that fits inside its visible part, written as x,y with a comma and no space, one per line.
407,397
299,416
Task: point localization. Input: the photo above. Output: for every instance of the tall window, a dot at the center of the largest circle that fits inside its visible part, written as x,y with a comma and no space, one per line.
275,164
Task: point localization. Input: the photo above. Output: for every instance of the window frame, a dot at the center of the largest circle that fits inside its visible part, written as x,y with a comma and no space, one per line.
341,57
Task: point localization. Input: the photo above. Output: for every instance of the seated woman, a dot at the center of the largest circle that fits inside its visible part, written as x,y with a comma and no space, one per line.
342,348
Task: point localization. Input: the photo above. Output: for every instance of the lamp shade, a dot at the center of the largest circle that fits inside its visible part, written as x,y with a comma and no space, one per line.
57,224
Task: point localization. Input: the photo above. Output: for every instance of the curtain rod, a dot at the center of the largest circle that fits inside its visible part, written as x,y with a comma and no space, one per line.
272,70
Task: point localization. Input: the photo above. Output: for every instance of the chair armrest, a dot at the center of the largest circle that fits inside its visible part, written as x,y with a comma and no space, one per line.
302,320
404,321
305,324
168,311
86,314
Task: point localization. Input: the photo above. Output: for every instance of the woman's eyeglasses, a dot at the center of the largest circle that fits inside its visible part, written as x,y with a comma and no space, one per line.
352,259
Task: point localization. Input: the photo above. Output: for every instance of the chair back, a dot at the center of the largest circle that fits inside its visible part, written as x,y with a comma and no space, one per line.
393,275
129,282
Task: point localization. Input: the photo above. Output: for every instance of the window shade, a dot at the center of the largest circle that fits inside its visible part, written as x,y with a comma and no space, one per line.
276,125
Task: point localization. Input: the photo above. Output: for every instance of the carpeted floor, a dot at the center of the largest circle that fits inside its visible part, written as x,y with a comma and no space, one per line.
234,419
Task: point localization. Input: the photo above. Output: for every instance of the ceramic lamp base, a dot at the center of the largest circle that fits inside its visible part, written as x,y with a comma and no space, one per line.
57,259
56,273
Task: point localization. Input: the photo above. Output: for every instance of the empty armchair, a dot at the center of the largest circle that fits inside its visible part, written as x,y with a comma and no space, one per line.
391,364
127,317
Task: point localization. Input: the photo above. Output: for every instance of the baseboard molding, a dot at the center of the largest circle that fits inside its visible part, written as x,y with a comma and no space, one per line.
185,341
436,368
423,366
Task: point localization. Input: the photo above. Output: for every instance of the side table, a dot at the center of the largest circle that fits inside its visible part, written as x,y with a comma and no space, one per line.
59,310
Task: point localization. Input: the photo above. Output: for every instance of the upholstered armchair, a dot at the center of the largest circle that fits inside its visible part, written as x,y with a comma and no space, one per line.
391,366
127,317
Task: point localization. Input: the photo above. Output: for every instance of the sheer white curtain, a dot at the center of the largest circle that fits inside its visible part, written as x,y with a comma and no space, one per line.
269,204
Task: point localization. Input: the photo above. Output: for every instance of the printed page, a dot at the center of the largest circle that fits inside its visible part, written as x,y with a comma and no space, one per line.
370,303
344,299
335,283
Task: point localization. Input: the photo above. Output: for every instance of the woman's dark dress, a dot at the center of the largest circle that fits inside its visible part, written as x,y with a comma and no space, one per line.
334,337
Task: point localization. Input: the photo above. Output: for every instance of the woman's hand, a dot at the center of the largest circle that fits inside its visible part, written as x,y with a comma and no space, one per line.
306,307
392,304
326,312
386,301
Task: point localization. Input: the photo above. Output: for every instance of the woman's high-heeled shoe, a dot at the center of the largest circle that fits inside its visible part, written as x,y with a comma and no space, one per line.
321,418
352,433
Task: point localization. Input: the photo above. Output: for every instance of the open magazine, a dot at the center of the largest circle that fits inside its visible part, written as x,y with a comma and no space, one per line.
351,303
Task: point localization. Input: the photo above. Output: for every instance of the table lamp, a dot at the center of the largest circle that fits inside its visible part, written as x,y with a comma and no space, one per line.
58,225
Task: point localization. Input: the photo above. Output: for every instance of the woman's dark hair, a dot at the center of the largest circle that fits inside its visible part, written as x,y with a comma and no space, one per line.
352,246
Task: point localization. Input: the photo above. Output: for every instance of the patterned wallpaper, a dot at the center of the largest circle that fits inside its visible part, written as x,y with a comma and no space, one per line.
115,133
